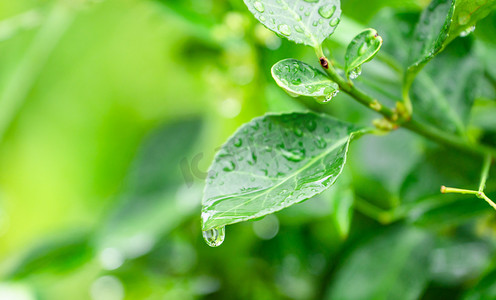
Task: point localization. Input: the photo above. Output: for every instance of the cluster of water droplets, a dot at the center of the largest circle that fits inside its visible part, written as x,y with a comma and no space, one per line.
326,12
301,79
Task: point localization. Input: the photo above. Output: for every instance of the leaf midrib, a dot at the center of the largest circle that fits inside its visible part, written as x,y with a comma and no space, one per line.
339,143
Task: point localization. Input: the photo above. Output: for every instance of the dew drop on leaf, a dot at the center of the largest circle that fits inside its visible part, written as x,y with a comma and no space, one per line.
259,6
229,167
326,11
214,237
464,18
293,155
284,29
298,132
311,125
334,22
238,142
298,29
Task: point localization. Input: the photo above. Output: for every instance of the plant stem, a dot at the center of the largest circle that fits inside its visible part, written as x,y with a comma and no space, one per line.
485,172
429,132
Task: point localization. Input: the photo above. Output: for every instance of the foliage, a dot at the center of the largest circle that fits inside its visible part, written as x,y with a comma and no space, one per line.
112,112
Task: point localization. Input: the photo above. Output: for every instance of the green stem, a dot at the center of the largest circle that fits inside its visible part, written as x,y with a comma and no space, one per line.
485,172
429,132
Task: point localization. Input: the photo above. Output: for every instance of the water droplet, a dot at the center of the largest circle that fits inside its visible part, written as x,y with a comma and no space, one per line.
296,81
311,125
363,48
334,22
230,166
355,73
298,29
298,18
320,143
298,132
315,23
467,31
331,93
295,155
284,29
262,18
214,237
326,11
464,18
301,8
259,6
238,142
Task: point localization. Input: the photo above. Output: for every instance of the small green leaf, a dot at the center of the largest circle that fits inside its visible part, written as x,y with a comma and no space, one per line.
467,14
389,266
342,211
361,49
300,79
431,32
429,38
306,22
273,162
445,90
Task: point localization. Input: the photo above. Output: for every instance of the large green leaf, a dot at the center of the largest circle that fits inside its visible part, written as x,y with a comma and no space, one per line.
361,49
389,266
430,35
300,79
273,162
306,22
443,93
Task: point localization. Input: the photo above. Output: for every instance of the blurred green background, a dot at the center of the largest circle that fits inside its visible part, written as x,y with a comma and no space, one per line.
110,114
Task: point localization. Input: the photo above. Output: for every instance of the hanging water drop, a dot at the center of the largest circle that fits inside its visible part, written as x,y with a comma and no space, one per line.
326,11
355,73
467,31
328,97
259,6
284,29
214,237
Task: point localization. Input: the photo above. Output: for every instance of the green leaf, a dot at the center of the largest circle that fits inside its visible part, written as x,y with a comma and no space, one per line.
467,14
307,22
148,206
456,260
389,266
430,35
361,49
300,79
431,32
60,255
445,90
342,211
273,162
